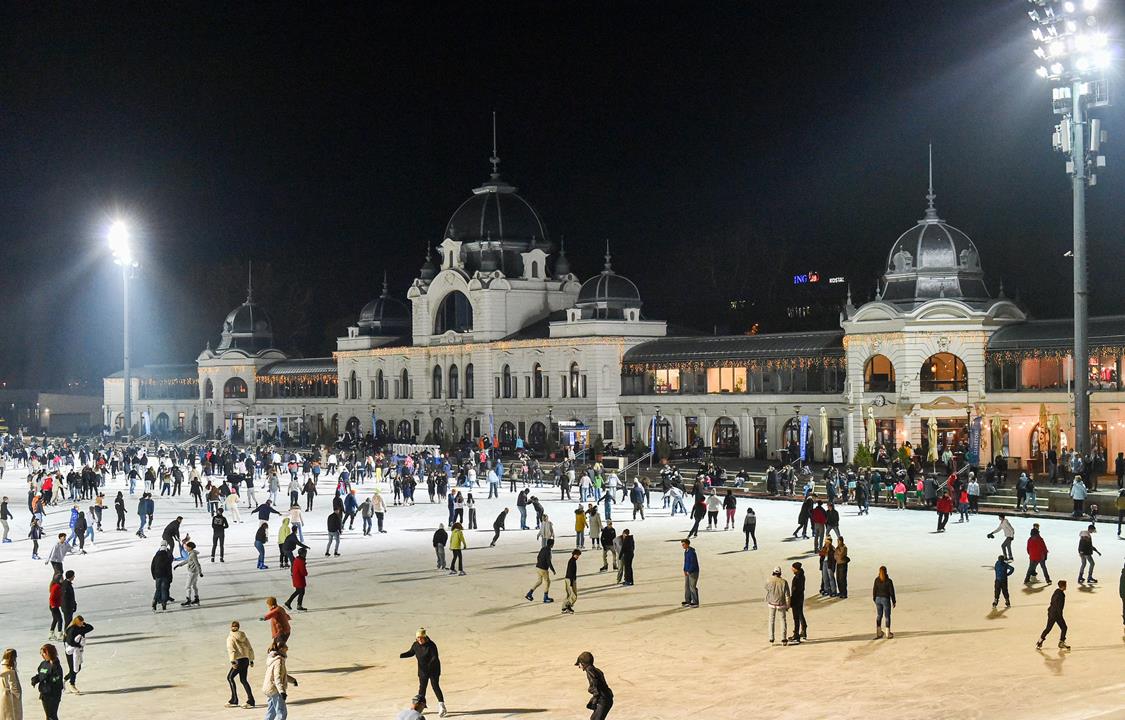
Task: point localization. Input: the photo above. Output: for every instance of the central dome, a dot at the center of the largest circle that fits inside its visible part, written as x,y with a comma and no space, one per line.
248,328
494,226
384,316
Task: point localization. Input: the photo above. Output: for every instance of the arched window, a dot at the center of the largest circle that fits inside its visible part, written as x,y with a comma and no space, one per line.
380,387
352,426
534,269
537,381
235,388
879,374
439,430
404,430
454,382
208,390
469,381
943,372
404,386
353,386
724,436
454,313
537,436
574,377
507,435
436,384
506,382
380,429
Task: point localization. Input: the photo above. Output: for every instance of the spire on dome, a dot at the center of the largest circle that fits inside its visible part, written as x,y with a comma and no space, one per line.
562,265
931,211
249,280
495,157
608,268
385,286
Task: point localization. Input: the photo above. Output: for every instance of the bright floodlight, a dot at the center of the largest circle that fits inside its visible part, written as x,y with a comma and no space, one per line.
1068,6
119,241
1089,5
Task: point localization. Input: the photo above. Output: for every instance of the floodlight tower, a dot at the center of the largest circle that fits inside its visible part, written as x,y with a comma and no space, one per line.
119,244
1075,54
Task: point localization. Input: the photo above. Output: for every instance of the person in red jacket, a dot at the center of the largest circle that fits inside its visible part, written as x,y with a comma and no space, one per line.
1037,555
300,572
55,601
944,510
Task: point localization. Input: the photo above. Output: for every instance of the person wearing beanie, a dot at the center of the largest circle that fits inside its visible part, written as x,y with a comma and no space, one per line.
797,604
601,696
1086,552
570,582
777,600
1002,569
425,651
414,712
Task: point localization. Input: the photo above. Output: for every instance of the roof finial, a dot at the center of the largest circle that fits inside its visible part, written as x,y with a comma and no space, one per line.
495,159
608,268
249,280
385,283
931,211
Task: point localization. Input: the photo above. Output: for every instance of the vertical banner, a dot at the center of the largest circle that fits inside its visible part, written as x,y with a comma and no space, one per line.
148,423
230,427
804,436
652,435
973,455
372,423
492,432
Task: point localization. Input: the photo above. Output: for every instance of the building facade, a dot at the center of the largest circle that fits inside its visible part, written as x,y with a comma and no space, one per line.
497,337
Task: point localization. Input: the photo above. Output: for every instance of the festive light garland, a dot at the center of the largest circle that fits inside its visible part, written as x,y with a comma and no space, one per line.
789,363
1012,356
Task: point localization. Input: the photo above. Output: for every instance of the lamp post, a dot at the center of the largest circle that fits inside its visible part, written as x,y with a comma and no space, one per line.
1075,53
118,237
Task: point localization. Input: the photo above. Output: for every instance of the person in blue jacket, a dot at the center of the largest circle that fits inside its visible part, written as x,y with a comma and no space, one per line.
1003,569
691,575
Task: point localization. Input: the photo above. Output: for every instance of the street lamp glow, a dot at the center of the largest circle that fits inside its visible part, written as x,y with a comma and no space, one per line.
118,237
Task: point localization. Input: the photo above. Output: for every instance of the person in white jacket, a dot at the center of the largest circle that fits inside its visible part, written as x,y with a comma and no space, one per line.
1009,535
546,532
380,507
241,655
296,521
11,693
276,683
232,508
777,599
195,571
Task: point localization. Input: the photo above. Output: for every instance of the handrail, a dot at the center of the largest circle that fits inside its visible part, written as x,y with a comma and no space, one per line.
638,461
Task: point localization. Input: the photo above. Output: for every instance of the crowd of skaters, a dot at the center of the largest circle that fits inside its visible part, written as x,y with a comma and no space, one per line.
221,477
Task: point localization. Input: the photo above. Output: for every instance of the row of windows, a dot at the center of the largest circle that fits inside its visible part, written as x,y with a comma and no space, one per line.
735,380
538,383
1052,374
296,388
187,390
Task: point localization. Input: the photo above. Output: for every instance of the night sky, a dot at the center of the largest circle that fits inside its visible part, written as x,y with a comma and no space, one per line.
720,149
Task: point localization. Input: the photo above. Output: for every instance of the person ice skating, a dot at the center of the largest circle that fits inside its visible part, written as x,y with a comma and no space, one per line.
1036,555
219,527
1055,617
74,646
777,600
335,528
842,560
608,541
299,573
277,681
1002,570
425,651
195,571
818,518
260,539
883,595
241,655
278,619
546,531
439,540
69,599
457,544
691,575
628,549
944,510
417,707
5,516
54,604
698,512
797,605
803,517
161,570
498,526
828,569
11,692
579,527
570,581
1086,552
48,679
58,553
543,570
601,696
749,523
1009,535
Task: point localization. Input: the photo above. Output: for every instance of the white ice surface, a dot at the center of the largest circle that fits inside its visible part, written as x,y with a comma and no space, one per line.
505,657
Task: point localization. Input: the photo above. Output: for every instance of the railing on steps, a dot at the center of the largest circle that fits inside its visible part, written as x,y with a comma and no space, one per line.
635,463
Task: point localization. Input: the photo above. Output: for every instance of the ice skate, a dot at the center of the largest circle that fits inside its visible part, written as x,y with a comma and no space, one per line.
442,712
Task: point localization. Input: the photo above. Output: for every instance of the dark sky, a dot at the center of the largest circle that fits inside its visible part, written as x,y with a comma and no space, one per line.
329,146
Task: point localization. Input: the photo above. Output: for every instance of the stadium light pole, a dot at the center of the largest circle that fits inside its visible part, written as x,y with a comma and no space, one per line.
118,237
1074,54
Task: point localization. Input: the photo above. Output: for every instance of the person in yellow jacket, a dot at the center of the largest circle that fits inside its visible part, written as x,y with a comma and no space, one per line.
457,544
580,527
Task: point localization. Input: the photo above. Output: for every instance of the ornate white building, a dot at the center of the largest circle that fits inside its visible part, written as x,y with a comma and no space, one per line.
498,337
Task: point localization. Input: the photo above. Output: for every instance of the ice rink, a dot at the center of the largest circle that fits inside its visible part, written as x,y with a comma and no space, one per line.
504,657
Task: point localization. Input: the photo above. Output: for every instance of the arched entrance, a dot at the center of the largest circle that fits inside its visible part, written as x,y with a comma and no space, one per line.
352,427
380,429
537,436
791,439
507,435
404,430
162,424
724,437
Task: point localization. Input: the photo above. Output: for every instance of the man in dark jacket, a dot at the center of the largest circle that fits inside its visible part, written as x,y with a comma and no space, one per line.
425,651
628,547
162,573
570,581
1055,617
797,604
171,534
691,575
601,697
1000,584
803,517
264,511
698,512
219,527
335,526
607,537
543,569
498,526
69,603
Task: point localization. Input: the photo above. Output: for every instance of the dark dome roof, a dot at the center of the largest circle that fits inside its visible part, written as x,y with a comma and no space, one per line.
385,315
496,212
247,327
608,290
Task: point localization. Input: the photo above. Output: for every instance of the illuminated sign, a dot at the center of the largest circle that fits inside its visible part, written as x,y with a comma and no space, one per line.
836,280
804,279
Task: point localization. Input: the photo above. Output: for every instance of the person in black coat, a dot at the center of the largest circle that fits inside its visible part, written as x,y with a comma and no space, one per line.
49,679
69,602
628,547
803,517
161,568
171,535
797,604
425,651
601,696
1055,617
219,527
698,512
498,526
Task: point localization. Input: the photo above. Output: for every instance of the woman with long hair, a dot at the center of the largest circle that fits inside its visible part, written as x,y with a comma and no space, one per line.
883,593
11,694
74,645
54,602
49,679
